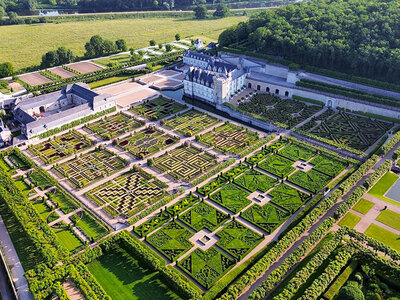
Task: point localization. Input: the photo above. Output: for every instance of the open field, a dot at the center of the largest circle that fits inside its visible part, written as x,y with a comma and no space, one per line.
122,278
24,45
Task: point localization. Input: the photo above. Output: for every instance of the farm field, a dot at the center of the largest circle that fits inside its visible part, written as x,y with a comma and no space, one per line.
158,108
112,126
60,147
190,123
90,167
184,162
128,193
145,142
229,138
76,34
122,277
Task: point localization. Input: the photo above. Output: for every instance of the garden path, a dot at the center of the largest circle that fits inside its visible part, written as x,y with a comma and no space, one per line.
13,261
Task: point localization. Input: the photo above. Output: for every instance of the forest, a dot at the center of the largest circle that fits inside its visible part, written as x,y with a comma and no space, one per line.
360,37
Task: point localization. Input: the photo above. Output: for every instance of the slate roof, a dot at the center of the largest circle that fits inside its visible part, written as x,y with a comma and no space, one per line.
198,55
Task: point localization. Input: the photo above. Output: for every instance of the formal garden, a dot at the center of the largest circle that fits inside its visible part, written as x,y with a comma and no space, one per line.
190,122
184,162
350,130
282,112
110,127
229,138
90,167
60,147
128,193
145,142
158,108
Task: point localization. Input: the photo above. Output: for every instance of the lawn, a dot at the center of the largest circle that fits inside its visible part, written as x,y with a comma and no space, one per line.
123,278
67,238
42,209
389,238
383,185
363,206
350,220
24,45
109,80
118,59
92,228
389,218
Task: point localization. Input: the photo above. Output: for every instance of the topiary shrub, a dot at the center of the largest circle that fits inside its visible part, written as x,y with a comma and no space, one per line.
350,292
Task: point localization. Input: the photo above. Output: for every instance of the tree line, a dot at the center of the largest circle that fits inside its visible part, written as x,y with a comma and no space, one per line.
354,36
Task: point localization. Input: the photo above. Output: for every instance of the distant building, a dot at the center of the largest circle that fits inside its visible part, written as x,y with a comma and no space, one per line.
218,79
198,43
5,135
75,101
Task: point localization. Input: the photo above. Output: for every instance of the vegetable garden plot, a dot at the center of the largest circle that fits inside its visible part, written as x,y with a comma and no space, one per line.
329,165
190,122
185,162
111,126
254,180
351,130
267,217
288,197
277,165
172,240
157,109
237,239
229,138
204,216
163,216
60,146
146,142
90,167
296,152
206,267
312,180
232,197
125,193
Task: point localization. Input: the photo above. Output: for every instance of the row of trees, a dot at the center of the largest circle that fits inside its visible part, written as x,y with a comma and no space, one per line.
355,36
200,11
97,46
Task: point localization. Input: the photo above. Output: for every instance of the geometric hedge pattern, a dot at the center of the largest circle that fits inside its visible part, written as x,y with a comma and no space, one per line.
237,239
254,180
206,267
312,180
288,198
172,240
231,197
203,216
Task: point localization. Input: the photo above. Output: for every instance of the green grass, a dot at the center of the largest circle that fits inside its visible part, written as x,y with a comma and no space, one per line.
42,210
389,218
29,256
67,238
363,206
231,197
350,220
6,167
22,186
119,59
382,186
24,45
92,228
123,278
109,80
385,236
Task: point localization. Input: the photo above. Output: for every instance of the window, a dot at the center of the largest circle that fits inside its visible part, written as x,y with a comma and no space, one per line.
286,94
267,89
277,92
249,85
258,87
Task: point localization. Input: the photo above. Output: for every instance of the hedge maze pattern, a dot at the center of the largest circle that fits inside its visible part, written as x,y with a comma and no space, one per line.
61,146
146,142
206,267
288,197
254,180
229,138
127,192
190,122
329,165
277,165
312,180
185,162
90,167
157,109
295,152
351,130
267,217
111,126
204,216
237,239
172,240
232,197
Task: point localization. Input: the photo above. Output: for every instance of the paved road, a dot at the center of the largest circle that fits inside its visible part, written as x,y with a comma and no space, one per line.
5,291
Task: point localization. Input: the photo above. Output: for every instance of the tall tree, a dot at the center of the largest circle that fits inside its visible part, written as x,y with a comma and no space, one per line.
200,11
6,69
